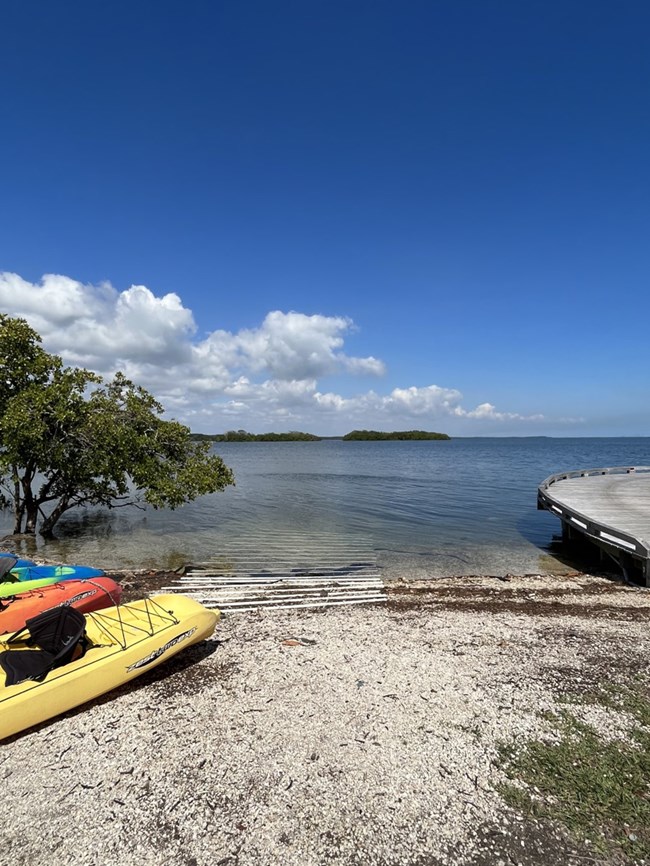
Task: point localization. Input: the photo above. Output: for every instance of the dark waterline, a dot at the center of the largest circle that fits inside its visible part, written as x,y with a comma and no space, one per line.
433,508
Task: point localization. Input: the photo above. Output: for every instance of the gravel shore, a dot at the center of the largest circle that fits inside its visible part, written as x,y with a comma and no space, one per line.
359,736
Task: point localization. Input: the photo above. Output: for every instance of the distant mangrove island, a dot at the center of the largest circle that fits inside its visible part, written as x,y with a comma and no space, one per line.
297,436
371,435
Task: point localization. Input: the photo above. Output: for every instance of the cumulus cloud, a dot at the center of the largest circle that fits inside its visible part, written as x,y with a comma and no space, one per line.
487,410
431,401
425,401
295,346
260,376
98,326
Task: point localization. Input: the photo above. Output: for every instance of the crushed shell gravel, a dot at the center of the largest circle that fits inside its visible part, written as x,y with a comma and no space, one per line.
348,736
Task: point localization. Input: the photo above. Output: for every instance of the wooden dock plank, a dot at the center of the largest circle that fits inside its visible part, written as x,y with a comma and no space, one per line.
620,501
610,506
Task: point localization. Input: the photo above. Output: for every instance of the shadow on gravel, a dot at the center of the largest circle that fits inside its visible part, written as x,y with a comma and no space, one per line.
527,843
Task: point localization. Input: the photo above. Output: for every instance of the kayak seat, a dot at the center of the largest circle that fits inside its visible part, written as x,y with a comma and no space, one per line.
58,632
21,665
6,564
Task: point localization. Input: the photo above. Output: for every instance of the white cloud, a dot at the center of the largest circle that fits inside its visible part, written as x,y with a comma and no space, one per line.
425,401
261,376
487,410
57,302
98,326
292,346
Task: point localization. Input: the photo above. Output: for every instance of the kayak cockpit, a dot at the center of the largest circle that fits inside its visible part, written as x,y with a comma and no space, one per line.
47,641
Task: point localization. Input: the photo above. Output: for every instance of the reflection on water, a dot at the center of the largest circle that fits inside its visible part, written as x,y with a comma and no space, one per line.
419,508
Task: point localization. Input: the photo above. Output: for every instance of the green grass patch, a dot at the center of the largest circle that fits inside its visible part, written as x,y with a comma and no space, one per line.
597,789
632,697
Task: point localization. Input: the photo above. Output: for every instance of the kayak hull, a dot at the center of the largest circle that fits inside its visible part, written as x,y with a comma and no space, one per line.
12,587
126,641
84,595
60,572
20,563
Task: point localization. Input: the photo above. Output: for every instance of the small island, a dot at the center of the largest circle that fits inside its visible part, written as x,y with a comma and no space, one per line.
297,436
244,436
401,435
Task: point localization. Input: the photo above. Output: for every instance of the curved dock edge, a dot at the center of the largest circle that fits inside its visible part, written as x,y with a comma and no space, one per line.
628,549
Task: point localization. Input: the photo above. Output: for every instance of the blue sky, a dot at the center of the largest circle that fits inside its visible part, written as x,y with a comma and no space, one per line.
452,198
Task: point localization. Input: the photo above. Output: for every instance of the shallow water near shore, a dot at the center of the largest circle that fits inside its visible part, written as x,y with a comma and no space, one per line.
415,509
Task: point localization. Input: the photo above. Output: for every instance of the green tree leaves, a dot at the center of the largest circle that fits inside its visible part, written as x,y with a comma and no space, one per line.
67,438
22,359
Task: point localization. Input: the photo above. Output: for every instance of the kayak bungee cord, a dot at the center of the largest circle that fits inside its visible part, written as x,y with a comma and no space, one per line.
103,589
101,620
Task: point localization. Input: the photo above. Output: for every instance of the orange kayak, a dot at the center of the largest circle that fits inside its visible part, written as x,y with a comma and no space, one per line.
86,595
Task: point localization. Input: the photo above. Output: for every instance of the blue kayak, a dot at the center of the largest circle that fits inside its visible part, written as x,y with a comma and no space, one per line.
60,572
20,563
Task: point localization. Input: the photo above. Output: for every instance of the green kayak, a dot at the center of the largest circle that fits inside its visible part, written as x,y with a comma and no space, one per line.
13,587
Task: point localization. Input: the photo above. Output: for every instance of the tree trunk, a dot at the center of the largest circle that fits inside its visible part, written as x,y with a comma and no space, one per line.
18,520
24,504
19,506
53,518
32,518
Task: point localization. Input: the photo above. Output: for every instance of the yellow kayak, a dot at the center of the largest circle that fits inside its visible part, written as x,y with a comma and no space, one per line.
66,658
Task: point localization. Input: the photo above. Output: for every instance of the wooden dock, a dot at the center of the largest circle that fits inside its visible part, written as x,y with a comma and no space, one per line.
610,507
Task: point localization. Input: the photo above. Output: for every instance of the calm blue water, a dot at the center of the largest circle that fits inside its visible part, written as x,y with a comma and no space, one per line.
417,508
